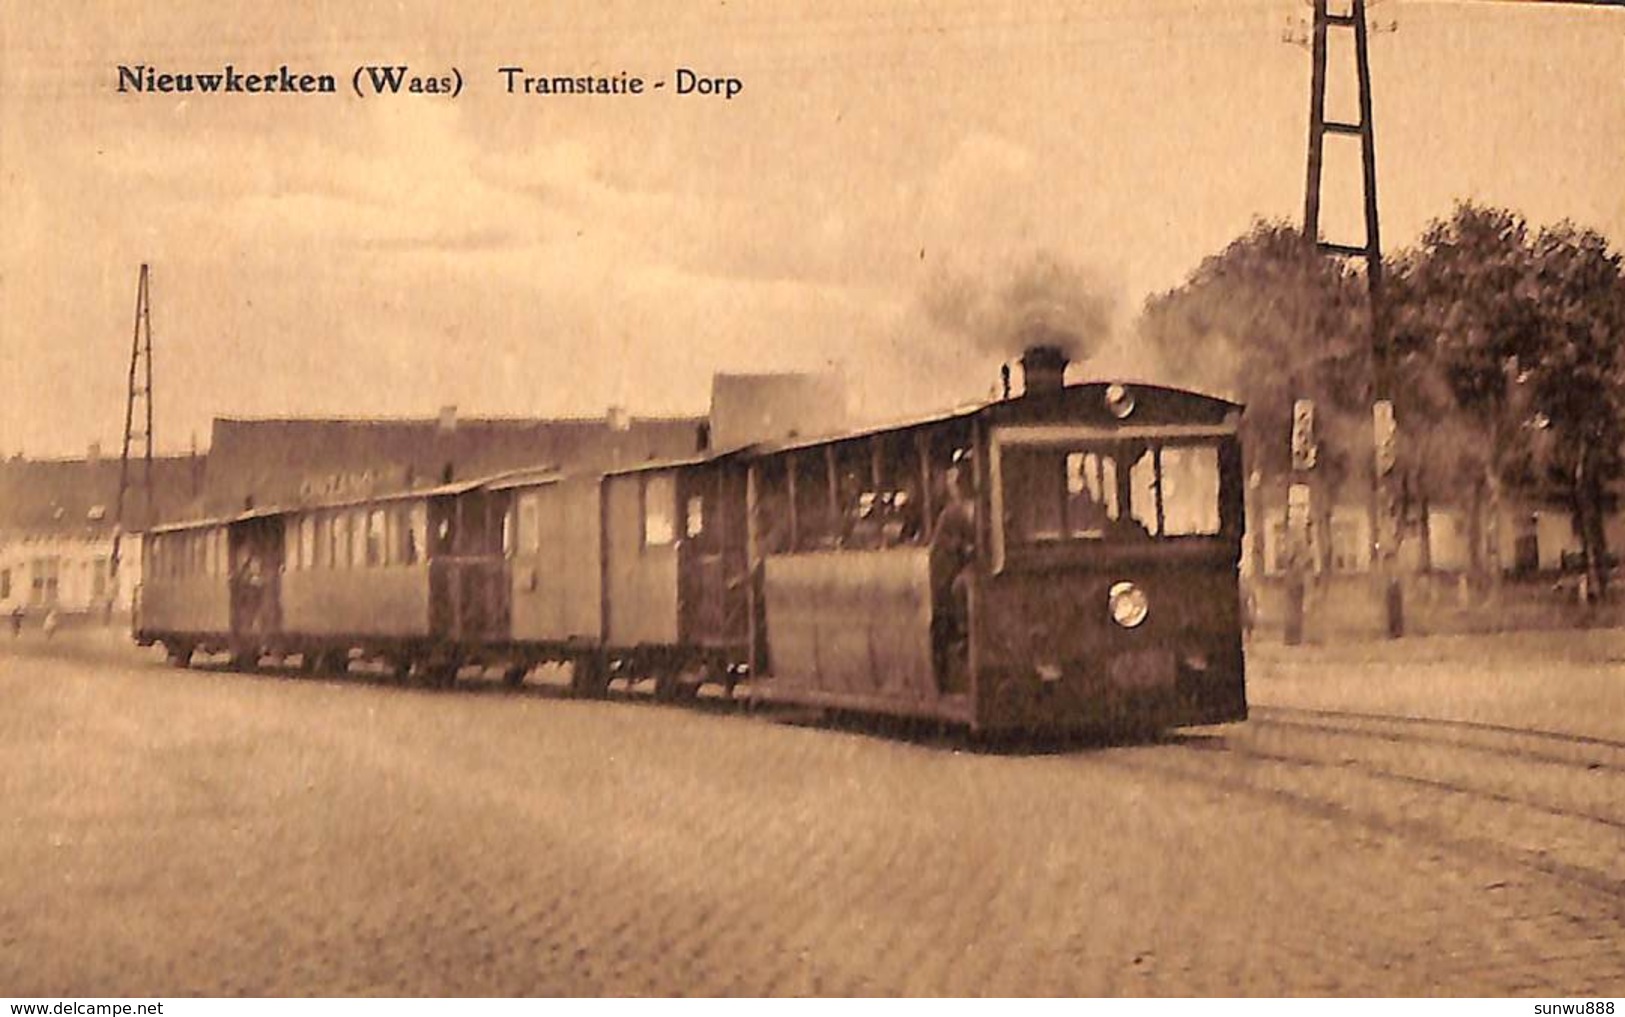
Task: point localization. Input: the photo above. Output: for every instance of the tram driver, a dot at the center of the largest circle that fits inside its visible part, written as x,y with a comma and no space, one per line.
953,549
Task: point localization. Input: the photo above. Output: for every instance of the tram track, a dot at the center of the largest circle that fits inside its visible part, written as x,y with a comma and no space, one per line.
1589,878
1585,788
1506,806
1559,747
1429,783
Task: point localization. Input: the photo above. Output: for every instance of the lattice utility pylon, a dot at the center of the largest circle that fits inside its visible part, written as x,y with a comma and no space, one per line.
139,391
1385,534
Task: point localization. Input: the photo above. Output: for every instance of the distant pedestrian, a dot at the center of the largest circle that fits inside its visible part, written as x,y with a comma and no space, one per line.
50,623
17,615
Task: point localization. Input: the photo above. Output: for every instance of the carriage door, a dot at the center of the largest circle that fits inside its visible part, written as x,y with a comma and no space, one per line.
255,548
468,573
712,570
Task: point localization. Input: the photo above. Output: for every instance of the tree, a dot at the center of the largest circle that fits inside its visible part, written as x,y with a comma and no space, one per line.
1270,320
1577,384
1463,315
1524,334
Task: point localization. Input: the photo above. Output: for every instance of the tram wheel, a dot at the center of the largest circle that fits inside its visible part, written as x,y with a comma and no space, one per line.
514,676
442,674
667,684
178,655
589,678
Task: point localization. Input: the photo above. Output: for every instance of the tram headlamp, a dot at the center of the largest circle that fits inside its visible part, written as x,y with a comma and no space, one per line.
1128,604
1119,400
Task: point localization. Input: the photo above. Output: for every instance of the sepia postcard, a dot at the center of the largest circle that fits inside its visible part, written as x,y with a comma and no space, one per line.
1072,498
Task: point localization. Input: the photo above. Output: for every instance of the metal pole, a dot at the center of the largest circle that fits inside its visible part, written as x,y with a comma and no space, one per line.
1317,124
131,390
1387,536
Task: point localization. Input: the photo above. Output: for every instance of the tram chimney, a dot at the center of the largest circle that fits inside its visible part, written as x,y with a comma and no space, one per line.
1043,367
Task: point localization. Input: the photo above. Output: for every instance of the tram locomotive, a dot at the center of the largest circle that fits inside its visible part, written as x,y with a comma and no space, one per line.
1059,561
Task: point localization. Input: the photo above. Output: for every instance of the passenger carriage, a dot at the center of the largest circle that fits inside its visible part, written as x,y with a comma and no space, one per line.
416,579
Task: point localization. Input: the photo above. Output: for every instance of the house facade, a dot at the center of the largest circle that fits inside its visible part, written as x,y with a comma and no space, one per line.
58,527
1528,539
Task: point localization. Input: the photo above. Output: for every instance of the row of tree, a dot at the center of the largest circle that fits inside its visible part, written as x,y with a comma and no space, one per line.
1508,373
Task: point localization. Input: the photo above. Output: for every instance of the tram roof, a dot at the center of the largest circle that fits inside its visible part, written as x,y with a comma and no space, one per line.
967,410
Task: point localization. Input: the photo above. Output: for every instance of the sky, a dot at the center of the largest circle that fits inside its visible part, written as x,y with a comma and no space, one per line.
525,255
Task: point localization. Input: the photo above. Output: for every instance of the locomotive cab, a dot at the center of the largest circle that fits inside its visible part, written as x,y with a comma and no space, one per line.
1111,589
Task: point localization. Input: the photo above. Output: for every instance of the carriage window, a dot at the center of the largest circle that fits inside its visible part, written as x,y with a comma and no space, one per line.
659,506
1142,485
417,533
375,537
696,517
392,536
358,539
1124,491
341,540
1032,493
1091,493
307,543
529,537
324,542
1190,490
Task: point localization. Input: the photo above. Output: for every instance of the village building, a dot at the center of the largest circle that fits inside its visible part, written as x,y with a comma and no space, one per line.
58,524
57,517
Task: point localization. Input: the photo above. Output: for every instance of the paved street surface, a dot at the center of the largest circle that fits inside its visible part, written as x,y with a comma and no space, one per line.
173,832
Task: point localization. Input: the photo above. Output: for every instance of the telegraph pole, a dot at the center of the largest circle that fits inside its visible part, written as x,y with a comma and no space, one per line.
1385,532
138,390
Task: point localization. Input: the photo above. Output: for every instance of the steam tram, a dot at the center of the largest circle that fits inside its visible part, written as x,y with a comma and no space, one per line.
1063,560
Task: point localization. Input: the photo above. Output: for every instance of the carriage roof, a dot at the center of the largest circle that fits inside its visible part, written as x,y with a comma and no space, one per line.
510,478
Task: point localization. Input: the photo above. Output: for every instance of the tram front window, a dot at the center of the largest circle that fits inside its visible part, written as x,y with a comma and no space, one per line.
1126,491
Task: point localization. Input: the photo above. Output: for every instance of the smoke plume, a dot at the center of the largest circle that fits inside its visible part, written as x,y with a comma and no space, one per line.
1041,299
